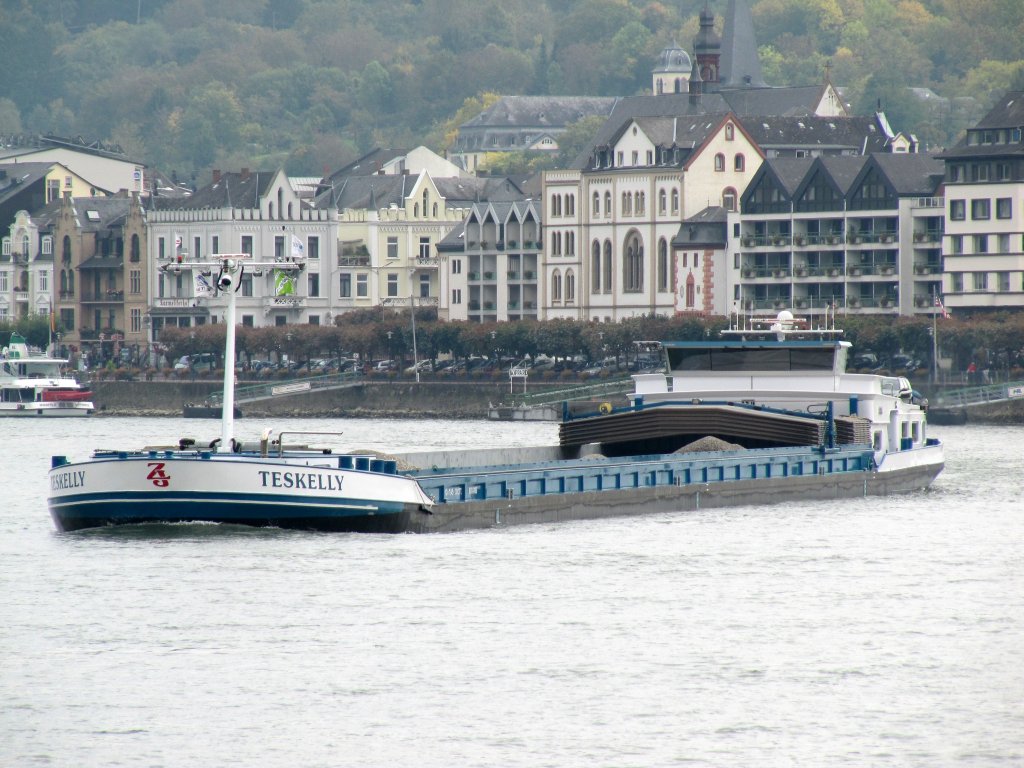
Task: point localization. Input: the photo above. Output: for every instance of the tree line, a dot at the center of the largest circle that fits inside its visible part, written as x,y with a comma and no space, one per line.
188,85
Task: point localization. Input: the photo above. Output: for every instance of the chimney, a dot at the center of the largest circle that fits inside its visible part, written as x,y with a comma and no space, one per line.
216,175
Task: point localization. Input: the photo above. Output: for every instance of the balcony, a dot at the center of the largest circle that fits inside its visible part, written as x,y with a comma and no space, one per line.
513,275
354,260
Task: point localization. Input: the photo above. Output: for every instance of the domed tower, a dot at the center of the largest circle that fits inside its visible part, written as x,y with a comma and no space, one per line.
673,71
708,48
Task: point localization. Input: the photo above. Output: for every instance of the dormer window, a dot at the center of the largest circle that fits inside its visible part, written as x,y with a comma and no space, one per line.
730,131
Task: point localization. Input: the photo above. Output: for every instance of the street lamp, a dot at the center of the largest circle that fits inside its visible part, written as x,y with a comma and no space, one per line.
390,358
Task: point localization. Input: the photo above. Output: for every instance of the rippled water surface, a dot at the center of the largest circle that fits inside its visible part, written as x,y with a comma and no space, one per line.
858,633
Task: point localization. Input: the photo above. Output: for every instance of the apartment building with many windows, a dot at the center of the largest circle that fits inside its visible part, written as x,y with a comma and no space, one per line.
857,233
983,246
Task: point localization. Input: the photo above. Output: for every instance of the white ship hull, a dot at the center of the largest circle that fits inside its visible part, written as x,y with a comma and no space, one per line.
311,492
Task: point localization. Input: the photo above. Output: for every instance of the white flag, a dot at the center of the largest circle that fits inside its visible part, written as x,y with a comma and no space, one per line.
202,286
177,242
298,249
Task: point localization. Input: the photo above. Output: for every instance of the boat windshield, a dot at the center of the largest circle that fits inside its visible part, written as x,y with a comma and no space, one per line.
751,359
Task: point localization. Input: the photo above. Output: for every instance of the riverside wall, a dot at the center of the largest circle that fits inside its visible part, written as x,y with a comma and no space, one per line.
458,400
399,399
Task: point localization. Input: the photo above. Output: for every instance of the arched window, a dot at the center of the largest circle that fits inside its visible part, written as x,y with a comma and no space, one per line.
134,253
24,245
415,210
426,206
556,205
675,201
568,205
570,243
570,286
595,267
270,209
626,204
556,286
280,202
48,245
71,282
433,210
63,282
607,203
290,211
729,199
65,252
641,203
719,162
597,204
691,291
606,281
662,201
662,265
633,264
730,131
739,163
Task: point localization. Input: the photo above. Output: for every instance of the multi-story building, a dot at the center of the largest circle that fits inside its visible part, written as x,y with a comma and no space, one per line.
253,212
492,263
389,228
859,233
106,167
982,248
99,274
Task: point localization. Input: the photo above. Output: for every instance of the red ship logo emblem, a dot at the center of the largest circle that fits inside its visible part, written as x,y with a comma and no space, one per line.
160,478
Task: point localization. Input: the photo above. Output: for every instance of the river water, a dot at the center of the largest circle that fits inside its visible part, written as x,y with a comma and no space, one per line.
874,632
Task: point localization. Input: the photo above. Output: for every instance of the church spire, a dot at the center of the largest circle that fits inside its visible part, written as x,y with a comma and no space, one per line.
741,68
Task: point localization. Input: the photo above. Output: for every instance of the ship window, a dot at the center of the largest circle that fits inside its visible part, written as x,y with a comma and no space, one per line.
876,442
750,359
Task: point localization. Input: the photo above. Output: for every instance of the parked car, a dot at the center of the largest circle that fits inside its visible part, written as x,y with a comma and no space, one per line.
204,361
423,366
383,366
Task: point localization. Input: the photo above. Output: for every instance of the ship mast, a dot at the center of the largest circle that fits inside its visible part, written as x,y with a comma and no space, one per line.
231,267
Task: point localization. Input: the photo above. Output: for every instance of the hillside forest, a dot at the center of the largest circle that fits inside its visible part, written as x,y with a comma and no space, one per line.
188,85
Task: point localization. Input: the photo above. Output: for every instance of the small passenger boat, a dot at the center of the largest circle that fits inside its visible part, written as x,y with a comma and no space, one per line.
35,384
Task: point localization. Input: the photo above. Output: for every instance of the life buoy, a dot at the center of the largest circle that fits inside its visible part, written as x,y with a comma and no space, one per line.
605,408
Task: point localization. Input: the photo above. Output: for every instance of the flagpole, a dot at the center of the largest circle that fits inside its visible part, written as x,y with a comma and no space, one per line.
935,339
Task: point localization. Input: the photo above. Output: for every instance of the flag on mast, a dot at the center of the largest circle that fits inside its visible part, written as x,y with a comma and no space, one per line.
284,283
941,307
298,249
202,286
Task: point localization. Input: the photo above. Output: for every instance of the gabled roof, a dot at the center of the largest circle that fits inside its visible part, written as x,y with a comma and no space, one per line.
231,190
15,177
368,164
842,169
790,101
909,174
1008,112
788,172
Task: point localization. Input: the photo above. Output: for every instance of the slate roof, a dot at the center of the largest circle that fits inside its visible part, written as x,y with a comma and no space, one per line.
861,134
911,174
369,163
739,63
708,227
232,190
794,100
109,212
842,169
18,176
788,171
375,192
540,111
1008,112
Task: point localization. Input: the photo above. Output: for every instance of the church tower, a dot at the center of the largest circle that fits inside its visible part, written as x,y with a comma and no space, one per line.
672,72
708,49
